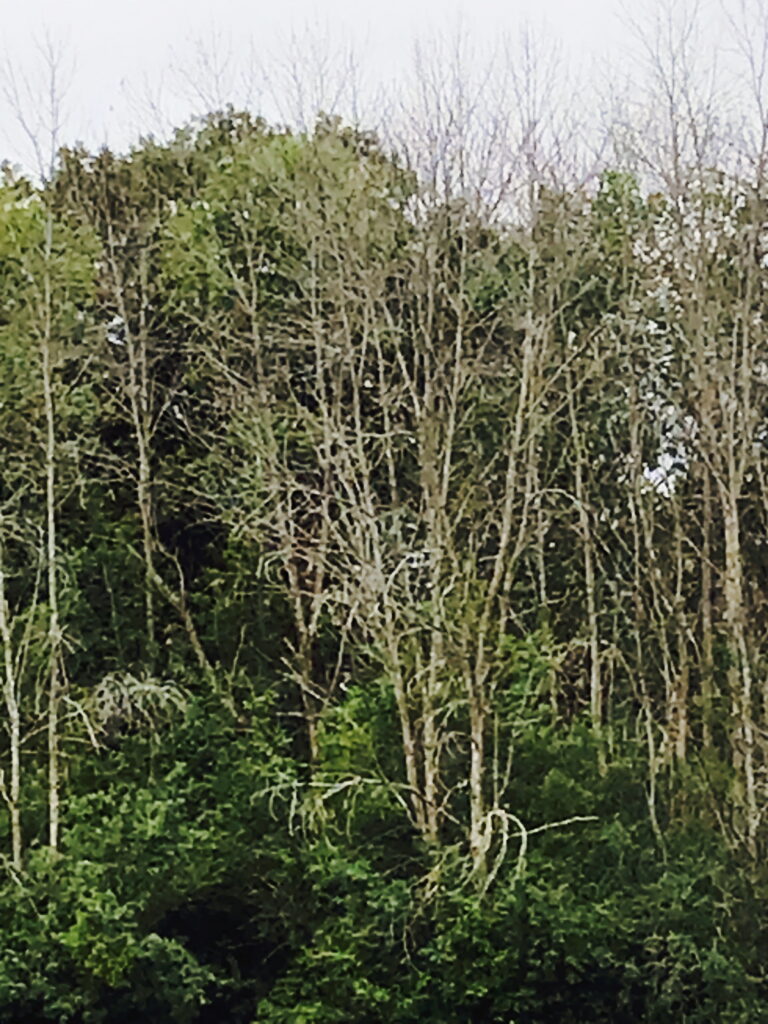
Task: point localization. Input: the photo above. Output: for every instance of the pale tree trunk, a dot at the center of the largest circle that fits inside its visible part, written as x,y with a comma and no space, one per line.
54,625
707,649
590,586
302,657
37,108
432,671
138,401
11,792
494,612
678,710
739,671
637,671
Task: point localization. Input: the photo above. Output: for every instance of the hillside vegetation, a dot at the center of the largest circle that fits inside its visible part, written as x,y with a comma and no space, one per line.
383,589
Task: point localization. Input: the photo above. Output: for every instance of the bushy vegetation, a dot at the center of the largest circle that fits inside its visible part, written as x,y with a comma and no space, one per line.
382,592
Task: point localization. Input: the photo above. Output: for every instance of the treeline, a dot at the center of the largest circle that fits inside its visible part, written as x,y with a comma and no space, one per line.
382,588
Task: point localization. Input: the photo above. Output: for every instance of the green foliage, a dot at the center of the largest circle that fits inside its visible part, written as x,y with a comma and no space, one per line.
319,349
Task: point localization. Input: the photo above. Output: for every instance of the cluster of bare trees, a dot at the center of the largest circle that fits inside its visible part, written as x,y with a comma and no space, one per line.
456,399
455,435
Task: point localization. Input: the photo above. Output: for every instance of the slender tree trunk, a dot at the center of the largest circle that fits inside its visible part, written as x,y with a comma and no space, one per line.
678,708
138,401
739,671
707,657
12,792
590,587
54,625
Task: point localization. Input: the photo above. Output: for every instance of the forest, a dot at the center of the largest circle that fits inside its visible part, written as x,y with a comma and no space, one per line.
384,577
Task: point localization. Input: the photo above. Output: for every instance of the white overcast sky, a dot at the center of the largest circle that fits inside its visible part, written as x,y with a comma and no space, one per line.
122,56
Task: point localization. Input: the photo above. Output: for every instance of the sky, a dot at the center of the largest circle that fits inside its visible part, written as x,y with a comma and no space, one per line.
131,66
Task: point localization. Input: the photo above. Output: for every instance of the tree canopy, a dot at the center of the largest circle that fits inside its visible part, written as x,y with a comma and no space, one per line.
382,590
